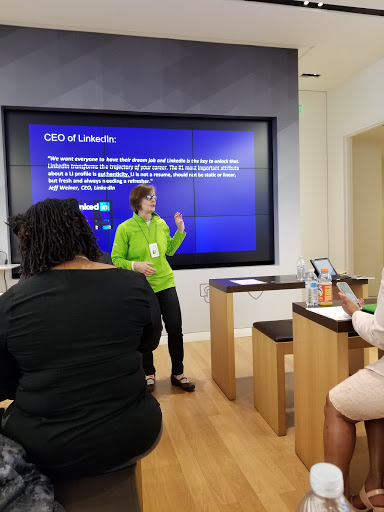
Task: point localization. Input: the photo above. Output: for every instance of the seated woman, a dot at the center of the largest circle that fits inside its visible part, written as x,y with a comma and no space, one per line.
360,398
71,340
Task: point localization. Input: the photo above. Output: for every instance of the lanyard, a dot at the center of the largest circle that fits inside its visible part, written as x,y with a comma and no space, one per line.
145,236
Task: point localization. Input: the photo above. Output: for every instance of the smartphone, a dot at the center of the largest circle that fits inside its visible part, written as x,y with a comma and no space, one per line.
346,289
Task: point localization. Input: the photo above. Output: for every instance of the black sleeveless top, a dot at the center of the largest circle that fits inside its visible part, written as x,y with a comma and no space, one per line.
70,357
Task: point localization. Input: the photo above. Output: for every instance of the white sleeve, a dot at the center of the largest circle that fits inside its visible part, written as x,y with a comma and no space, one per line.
371,327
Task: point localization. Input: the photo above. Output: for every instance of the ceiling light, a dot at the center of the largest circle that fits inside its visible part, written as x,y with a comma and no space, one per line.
306,2
320,4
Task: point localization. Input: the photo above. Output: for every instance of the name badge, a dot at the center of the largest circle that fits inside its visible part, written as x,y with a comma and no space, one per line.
154,250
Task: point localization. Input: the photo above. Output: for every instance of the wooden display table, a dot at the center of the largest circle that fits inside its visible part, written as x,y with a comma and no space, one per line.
320,347
222,323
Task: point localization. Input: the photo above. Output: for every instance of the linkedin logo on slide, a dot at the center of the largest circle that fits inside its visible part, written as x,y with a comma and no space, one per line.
102,206
98,213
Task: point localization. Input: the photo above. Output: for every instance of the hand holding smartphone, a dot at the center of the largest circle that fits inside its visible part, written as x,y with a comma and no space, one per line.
346,289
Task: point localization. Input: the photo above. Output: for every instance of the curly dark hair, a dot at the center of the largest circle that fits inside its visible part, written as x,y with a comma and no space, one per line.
52,232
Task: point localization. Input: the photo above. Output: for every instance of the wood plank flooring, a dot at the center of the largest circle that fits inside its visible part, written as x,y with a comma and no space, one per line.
218,455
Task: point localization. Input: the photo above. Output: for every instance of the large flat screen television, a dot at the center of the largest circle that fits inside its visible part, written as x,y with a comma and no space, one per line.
216,171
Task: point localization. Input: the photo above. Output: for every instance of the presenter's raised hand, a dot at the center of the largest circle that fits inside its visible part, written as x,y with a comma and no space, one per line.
179,222
144,267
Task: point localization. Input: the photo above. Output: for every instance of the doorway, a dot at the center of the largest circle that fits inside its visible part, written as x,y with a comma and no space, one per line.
366,211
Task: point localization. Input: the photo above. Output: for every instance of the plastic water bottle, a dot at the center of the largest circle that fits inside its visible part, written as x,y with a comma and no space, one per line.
326,492
325,288
300,269
311,289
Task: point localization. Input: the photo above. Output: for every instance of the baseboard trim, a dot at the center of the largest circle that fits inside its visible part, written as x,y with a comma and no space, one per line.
202,336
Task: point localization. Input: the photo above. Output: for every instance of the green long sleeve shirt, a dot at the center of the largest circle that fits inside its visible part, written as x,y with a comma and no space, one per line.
132,241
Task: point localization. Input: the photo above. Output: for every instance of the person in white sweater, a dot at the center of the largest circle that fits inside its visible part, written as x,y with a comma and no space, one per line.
360,398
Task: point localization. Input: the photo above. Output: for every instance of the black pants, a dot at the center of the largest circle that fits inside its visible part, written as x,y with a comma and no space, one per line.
171,314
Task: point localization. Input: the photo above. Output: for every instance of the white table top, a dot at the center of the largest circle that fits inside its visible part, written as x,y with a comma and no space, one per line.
9,266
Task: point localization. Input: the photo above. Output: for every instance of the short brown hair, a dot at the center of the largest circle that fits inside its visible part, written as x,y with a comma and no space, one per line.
138,193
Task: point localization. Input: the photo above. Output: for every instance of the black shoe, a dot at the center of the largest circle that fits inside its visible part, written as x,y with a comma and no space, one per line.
183,383
150,382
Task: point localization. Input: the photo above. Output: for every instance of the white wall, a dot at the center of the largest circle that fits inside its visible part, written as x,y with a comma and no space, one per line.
355,105
313,220
327,122
313,175
367,177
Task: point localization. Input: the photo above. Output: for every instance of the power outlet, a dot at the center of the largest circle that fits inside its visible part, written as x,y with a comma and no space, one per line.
204,290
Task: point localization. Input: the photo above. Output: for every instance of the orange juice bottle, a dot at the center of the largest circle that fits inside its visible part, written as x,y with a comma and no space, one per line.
325,288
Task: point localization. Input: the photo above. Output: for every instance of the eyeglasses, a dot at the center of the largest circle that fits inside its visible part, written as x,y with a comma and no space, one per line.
151,197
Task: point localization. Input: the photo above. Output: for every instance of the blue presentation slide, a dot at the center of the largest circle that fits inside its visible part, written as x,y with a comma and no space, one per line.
207,175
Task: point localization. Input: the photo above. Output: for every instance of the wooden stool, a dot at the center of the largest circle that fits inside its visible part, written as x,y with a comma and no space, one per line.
271,341
118,491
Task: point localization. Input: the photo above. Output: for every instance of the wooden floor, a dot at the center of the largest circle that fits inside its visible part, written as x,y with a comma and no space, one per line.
217,455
